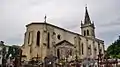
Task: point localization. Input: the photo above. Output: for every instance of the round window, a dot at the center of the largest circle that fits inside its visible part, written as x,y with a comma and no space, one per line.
59,37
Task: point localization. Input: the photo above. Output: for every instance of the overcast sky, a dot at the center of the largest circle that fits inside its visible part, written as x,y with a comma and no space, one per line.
15,14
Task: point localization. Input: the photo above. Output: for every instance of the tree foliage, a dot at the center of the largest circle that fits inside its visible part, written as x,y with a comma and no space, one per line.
13,51
114,49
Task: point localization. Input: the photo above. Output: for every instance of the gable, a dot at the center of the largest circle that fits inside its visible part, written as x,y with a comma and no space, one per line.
65,43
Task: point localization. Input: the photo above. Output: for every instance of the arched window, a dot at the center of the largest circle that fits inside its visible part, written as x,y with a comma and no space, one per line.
79,49
92,32
89,50
38,38
87,32
84,33
95,51
58,53
48,44
28,37
82,48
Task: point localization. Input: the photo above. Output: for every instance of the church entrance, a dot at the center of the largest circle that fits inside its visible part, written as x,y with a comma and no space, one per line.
64,49
64,52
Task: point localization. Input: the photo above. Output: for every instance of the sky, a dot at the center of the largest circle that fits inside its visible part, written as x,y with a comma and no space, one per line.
15,14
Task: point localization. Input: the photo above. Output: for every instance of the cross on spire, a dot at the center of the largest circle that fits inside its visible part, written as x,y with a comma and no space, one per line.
45,18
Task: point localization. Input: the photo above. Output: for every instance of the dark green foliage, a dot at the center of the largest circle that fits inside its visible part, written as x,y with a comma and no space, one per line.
13,50
10,51
114,49
3,54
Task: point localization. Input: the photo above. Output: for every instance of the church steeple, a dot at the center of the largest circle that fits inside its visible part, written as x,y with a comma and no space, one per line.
87,28
87,18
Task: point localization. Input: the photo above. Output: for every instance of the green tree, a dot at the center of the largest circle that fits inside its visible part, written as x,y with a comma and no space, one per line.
3,52
10,51
13,50
114,49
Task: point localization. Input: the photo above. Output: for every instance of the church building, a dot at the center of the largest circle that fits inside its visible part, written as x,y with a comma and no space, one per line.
43,39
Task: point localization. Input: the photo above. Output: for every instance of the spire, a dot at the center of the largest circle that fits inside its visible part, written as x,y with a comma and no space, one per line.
87,18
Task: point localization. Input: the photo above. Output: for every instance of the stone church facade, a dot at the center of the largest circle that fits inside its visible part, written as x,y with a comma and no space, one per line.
44,39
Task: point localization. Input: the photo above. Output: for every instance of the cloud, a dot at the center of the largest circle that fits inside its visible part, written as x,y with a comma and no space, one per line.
115,22
15,14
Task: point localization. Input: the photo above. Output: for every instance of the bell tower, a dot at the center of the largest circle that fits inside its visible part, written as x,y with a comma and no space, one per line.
87,28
